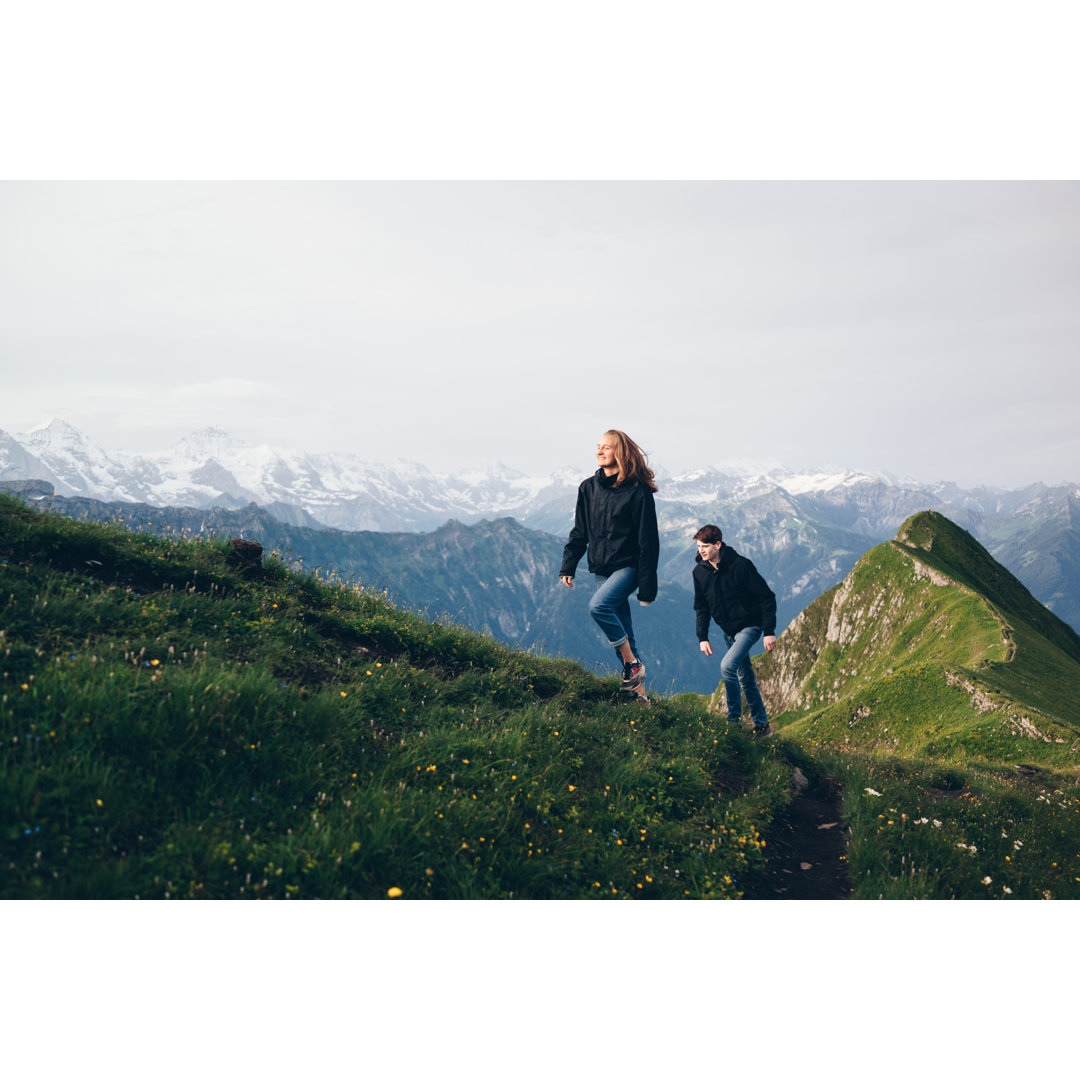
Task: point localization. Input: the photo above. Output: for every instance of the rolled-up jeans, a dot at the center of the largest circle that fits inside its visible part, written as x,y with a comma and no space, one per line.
610,607
738,675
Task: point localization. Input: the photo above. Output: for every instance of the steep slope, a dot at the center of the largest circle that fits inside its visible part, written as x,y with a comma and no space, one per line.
930,647
172,726
1036,533
495,577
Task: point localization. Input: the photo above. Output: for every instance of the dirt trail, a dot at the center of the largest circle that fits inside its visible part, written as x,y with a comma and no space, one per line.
806,849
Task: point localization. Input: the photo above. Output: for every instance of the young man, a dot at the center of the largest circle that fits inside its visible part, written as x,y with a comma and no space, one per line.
729,590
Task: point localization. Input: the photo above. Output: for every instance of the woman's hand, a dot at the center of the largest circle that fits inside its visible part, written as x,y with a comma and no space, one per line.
769,643
567,581
706,648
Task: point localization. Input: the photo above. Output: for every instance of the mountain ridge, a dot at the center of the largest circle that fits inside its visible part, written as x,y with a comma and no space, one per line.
333,481
804,536
930,645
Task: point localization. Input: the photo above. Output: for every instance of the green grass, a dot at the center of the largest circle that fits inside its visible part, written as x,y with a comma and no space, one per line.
955,700
922,829
174,729
171,728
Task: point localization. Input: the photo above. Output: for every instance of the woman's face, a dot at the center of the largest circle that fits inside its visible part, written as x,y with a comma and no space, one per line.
605,452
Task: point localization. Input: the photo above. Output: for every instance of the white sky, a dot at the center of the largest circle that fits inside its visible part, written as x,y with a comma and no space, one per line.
512,301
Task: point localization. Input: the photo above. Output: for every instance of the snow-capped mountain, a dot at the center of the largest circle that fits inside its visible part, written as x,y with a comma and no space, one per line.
803,529
211,468
341,490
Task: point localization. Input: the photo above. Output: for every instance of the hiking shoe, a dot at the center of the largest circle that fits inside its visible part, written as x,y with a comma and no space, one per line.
640,699
762,731
632,674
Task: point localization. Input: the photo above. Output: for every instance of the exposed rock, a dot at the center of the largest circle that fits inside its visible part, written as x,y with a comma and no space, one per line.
244,556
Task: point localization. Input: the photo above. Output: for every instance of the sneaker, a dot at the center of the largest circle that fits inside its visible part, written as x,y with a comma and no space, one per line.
763,731
640,699
632,674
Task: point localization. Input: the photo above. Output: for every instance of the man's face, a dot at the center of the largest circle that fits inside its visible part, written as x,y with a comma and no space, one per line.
709,552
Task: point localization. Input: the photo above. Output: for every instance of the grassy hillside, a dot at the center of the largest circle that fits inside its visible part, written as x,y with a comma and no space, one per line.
496,577
175,727
947,697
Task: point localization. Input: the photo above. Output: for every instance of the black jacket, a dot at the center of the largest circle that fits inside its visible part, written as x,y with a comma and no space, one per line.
734,594
618,527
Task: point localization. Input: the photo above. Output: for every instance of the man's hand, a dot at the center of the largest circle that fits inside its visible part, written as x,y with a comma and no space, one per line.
706,648
769,643
567,581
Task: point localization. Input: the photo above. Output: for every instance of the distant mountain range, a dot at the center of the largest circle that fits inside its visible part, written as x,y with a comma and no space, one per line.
804,530
211,468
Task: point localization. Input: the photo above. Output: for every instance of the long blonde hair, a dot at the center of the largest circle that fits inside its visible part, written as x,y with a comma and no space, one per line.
631,460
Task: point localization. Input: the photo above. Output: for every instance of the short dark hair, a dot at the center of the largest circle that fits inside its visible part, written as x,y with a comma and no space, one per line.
709,534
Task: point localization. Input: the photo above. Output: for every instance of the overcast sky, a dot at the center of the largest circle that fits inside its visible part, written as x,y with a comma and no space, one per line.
928,329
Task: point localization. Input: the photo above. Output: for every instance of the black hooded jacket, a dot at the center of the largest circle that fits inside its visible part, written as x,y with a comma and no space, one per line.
618,527
734,594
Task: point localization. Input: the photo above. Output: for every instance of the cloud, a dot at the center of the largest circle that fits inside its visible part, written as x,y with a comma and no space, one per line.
227,389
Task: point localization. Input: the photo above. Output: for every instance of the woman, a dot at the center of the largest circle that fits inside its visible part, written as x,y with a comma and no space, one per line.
615,520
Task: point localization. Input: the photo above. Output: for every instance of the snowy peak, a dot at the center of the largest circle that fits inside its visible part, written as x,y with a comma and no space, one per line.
76,465
58,436
17,463
210,442
211,467
802,483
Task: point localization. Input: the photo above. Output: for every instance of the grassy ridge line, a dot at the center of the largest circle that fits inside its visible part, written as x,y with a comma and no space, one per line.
171,728
496,577
944,698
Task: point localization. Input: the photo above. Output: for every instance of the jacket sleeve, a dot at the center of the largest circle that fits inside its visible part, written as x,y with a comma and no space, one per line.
579,537
649,549
765,598
701,609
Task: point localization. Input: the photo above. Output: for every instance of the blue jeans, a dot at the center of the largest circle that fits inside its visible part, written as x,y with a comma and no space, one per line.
738,675
610,607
